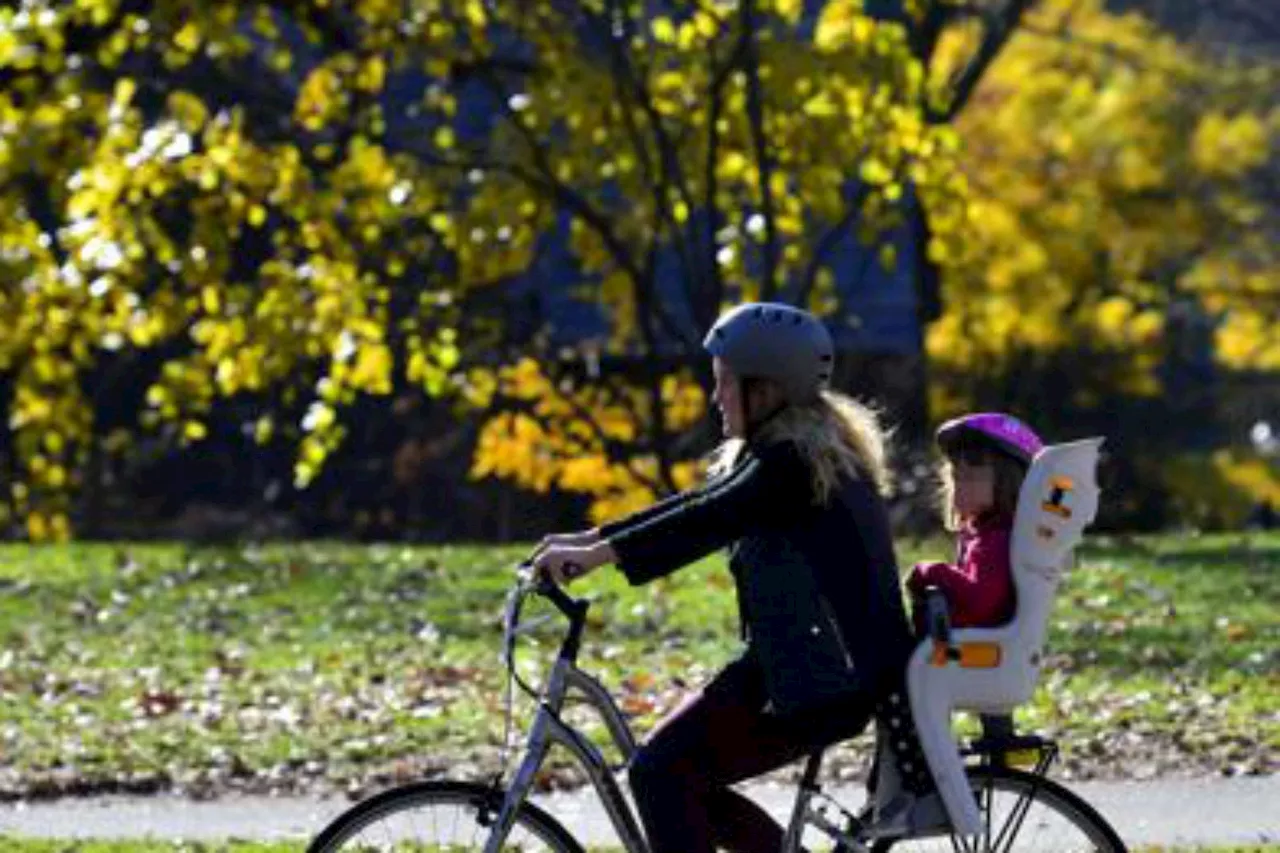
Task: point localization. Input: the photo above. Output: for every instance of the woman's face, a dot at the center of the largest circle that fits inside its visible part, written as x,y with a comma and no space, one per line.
975,487
727,397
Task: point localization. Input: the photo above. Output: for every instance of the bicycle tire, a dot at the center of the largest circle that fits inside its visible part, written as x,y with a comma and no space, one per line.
378,823
1058,819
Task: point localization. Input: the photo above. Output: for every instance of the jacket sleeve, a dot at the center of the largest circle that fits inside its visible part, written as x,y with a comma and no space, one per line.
979,587
667,504
762,490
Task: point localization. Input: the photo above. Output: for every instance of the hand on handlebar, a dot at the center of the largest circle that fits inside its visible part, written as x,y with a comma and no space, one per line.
563,563
580,539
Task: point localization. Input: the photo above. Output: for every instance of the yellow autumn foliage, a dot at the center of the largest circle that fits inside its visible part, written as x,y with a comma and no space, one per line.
1114,179
273,222
584,439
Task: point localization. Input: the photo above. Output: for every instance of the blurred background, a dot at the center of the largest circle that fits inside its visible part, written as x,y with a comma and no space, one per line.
439,271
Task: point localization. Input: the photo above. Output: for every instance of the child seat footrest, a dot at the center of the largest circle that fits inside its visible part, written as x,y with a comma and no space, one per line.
1014,743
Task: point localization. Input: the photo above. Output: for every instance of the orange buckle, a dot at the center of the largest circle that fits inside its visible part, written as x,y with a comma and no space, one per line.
979,655
968,655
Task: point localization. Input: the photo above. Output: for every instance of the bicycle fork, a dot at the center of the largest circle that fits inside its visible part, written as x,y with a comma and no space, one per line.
535,752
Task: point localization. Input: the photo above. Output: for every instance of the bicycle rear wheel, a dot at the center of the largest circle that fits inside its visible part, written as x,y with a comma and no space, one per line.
1022,812
439,816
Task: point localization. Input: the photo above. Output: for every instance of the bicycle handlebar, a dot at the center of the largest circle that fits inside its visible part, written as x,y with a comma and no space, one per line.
574,609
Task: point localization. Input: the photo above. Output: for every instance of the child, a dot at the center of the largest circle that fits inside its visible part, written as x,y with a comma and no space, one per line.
985,459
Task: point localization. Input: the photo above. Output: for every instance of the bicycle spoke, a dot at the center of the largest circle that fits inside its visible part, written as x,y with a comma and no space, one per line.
437,818
1022,813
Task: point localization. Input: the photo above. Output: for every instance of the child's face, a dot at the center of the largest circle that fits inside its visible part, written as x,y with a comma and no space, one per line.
975,486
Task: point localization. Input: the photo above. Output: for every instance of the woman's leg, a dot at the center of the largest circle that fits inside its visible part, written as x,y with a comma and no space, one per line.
721,736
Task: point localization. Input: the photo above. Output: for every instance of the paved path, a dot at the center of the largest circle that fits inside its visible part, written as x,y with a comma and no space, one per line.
1185,812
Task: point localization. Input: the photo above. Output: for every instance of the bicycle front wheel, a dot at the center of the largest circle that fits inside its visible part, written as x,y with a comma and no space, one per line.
1022,812
438,816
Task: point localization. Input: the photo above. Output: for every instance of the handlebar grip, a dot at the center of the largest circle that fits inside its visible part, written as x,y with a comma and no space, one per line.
937,615
565,603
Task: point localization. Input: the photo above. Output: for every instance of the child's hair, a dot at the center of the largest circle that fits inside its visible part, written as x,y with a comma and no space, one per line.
1009,474
837,436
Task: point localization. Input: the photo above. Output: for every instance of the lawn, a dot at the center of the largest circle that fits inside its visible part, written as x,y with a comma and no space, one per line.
23,845
325,666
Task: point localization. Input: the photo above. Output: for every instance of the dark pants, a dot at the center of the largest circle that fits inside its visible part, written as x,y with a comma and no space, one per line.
721,736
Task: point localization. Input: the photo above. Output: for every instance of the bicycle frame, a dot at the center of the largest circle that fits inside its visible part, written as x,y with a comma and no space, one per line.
548,729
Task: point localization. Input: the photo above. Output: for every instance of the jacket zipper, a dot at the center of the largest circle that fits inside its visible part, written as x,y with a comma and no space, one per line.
835,629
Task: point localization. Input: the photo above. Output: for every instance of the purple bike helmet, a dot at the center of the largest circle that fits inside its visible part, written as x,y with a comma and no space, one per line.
994,429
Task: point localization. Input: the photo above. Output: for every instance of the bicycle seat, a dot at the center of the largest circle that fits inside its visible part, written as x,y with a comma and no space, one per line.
993,670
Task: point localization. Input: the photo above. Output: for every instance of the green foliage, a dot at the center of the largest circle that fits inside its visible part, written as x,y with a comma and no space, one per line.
334,667
32,845
1219,490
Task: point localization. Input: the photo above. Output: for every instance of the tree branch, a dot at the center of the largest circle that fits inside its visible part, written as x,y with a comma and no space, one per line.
755,113
828,242
670,176
707,303
41,210
999,26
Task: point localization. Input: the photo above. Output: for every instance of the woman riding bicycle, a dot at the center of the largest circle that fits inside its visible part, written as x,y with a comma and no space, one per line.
797,495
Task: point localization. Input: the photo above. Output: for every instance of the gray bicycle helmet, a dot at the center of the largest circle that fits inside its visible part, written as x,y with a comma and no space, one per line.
775,341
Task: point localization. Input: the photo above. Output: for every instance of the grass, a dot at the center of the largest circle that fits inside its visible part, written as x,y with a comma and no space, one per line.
24,845
347,667
18,845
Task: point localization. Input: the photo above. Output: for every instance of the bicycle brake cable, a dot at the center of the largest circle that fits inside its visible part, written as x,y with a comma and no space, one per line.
513,678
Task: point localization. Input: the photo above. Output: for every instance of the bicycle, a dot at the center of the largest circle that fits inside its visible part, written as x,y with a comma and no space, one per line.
1017,807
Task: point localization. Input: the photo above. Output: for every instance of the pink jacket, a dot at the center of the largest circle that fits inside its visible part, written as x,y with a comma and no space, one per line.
979,585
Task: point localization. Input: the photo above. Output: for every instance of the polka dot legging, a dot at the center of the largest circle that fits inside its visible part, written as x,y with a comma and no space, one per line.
894,714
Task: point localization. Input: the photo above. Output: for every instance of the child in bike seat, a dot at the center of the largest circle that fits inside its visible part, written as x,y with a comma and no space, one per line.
799,501
985,459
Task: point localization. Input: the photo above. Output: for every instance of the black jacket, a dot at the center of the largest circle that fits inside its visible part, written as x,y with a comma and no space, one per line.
817,584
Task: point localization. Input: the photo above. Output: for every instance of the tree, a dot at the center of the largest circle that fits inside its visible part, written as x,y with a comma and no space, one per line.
286,203
1120,188
292,206
170,185
717,124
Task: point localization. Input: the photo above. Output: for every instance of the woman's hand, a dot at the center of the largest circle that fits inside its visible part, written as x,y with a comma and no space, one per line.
580,539
564,563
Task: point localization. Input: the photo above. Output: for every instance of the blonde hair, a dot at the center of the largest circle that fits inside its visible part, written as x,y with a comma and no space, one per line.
836,435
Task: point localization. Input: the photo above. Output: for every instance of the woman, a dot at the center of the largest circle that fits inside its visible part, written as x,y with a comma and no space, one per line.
797,497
